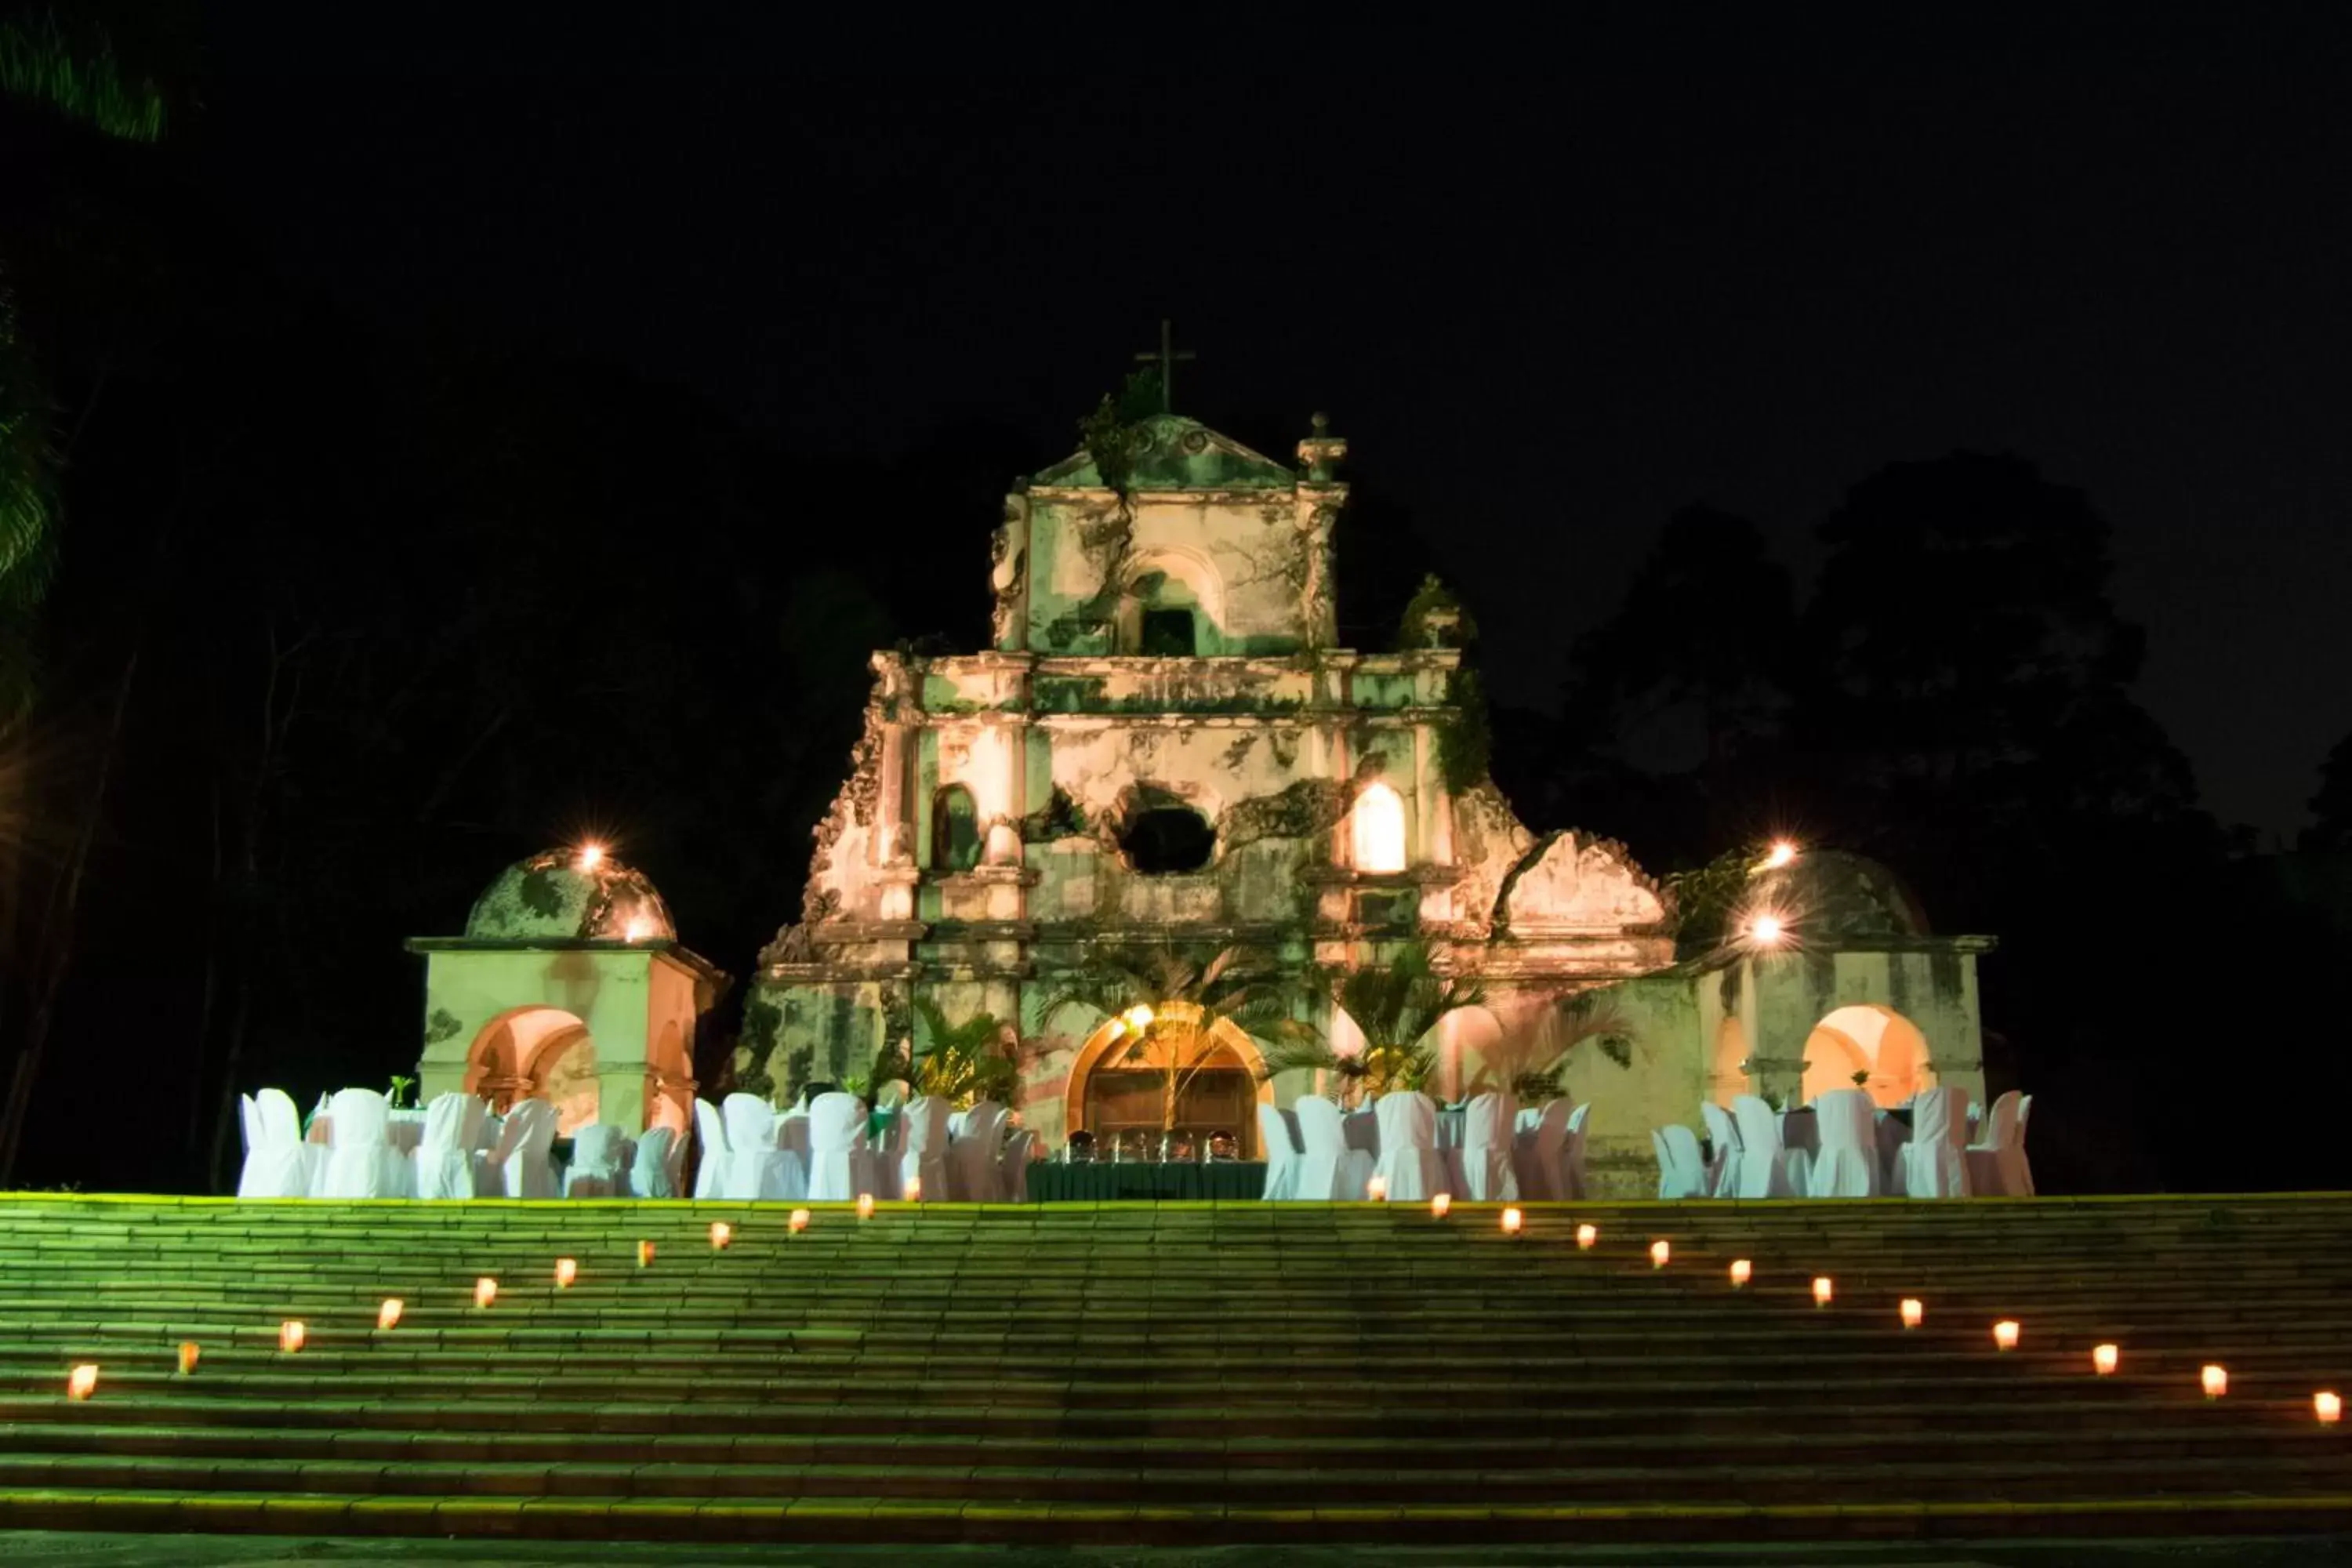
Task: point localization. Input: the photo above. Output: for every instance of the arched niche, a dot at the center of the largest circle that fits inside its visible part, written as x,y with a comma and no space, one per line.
1229,1049
536,1052
1376,830
1172,605
1876,1042
956,839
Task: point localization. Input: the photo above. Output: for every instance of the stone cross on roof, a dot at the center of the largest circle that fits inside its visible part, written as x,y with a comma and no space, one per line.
1167,355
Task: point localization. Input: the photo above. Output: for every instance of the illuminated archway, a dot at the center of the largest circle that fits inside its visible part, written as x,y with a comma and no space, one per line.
537,1053
1878,1042
1106,1051
1377,827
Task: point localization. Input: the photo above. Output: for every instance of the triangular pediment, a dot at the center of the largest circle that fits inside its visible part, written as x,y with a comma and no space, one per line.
1173,453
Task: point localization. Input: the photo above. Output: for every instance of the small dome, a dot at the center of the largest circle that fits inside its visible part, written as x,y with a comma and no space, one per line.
571,895
1833,894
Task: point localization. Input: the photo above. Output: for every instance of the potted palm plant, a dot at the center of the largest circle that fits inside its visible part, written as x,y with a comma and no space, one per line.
1394,1007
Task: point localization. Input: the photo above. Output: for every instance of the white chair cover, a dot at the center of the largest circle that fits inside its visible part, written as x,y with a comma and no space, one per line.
1281,1155
524,1139
757,1169
1766,1168
710,1133
1535,1150
1488,1173
1327,1168
1723,1172
445,1156
1013,1166
973,1153
1682,1170
276,1162
925,1159
1997,1164
597,1154
1936,1162
360,1161
838,1161
651,1175
1571,1158
1409,1163
1846,1165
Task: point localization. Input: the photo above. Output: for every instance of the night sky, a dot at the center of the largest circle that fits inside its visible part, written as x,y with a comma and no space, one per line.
1552,286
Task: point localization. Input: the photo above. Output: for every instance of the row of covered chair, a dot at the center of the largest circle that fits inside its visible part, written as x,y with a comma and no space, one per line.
359,1146
1854,1150
1315,1152
821,1152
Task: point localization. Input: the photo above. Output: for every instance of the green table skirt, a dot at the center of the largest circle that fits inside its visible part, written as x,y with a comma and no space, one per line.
1051,1184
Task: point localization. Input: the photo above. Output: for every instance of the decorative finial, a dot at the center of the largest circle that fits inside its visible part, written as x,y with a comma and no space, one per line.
1321,450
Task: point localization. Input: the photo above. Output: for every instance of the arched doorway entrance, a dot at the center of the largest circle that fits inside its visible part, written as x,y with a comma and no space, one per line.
1878,1044
1115,1088
537,1052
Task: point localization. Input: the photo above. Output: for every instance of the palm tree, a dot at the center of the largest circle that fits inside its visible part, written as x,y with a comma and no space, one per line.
1168,1007
1394,1007
978,1058
1529,1064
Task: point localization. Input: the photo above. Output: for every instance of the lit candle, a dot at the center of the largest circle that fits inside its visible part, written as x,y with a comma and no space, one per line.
2004,1335
2328,1407
645,1255
799,1221
83,1382
721,1233
1586,1234
1823,1290
1659,1253
290,1335
1741,1270
866,1206
2215,1381
914,1189
188,1354
387,1316
1912,1311
1440,1205
1376,1190
567,1269
1510,1222
2104,1359
486,1290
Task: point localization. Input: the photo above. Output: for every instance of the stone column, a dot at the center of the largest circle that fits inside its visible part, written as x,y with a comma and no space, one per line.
1782,1077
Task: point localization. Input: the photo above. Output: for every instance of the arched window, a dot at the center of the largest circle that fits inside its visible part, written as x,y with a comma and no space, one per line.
955,830
1379,829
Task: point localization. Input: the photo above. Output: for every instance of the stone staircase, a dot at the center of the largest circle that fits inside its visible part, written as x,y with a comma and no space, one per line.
1177,1374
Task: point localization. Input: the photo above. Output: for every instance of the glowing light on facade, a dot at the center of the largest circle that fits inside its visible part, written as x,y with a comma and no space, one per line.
1378,829
591,857
1766,930
1781,854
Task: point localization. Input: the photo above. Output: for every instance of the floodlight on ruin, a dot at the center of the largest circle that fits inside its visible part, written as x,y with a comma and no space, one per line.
2328,1407
2004,1335
637,930
1138,1017
2104,1359
1766,930
799,1221
1741,1271
190,1352
1781,852
292,1334
1824,1293
1660,1252
387,1315
866,1206
591,857
1586,1234
1376,1190
1440,1205
645,1255
1511,1221
721,1233
83,1382
486,1290
1913,1311
567,1269
2214,1380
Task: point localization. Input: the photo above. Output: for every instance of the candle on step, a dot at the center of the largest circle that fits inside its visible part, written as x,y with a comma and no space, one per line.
189,1351
1376,1190
1510,1222
2214,1380
914,1189
2328,1407
799,1222
83,1382
387,1316
486,1290
2104,1359
645,1255
1823,1291
1741,1271
2004,1335
1913,1311
1440,1205
1659,1253
721,1233
866,1206
567,1269
290,1335
1586,1234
